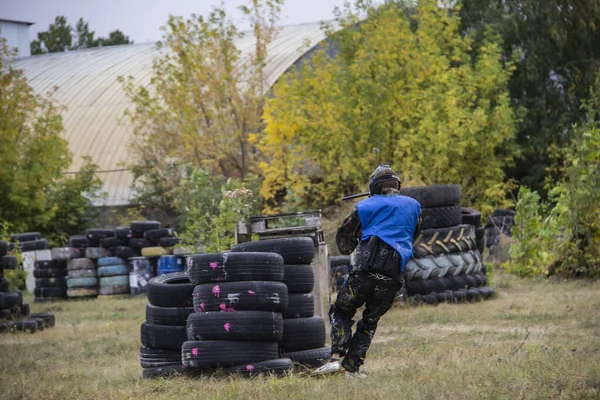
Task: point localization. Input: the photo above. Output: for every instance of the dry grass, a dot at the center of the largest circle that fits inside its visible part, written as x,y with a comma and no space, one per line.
536,340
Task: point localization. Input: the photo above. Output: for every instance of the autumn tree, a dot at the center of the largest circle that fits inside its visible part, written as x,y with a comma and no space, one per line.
404,81
37,195
204,101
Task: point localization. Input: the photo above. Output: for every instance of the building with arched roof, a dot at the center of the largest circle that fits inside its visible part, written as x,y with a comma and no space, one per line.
94,122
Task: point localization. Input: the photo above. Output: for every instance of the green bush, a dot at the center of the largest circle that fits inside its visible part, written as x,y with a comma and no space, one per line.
564,235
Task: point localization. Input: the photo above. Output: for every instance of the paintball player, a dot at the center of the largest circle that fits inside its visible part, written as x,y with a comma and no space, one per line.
382,229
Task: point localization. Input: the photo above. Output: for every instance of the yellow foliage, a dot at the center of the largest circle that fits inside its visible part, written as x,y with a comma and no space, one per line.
436,113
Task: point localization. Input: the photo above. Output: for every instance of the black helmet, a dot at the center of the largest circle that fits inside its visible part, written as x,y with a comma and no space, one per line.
383,173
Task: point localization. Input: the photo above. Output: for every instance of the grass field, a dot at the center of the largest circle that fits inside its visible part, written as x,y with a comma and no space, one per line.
535,340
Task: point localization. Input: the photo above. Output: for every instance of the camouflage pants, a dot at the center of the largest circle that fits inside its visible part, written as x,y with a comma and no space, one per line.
377,296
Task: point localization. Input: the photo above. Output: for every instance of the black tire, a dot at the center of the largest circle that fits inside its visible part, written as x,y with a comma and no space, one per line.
81,263
8,262
435,242
339,260
25,237
139,227
156,234
471,280
300,305
441,217
124,252
149,353
480,245
299,278
456,282
240,325
5,314
297,250
168,241
123,233
226,353
302,334
429,299
170,290
43,292
111,242
241,296
221,267
435,195
49,273
40,244
51,282
472,294
96,235
139,243
45,264
3,248
162,336
2,304
310,358
443,297
163,372
486,292
470,217
4,285
79,241
167,315
278,366
25,309
30,326
479,233
47,317
82,273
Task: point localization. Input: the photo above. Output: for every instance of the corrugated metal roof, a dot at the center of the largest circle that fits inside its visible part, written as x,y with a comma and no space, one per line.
94,122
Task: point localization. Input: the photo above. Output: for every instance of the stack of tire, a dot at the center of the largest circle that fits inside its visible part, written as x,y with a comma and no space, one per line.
14,314
447,264
113,276
82,277
239,300
303,339
498,224
28,241
164,331
340,268
50,275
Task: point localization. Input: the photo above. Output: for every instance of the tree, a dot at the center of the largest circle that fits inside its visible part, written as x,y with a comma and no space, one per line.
61,36
83,37
114,38
554,45
405,81
36,193
563,235
204,103
57,38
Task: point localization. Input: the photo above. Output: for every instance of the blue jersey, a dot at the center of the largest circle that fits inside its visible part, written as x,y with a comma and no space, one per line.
393,219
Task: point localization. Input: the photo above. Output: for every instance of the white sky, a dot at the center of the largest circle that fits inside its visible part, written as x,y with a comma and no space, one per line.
141,19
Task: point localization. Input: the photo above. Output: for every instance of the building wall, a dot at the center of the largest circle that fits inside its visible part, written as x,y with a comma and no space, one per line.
17,35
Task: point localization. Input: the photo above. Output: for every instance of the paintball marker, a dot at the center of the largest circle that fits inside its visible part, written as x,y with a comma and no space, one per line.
354,196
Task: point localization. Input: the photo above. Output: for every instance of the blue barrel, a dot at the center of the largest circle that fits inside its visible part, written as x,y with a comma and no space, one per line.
169,264
141,271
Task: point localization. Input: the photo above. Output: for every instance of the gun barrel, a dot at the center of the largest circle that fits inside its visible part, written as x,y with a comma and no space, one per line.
354,196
